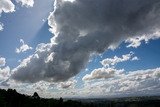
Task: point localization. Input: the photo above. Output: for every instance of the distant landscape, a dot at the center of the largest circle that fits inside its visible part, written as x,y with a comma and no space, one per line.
11,98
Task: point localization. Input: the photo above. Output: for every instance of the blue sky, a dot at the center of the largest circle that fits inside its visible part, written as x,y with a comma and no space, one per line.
39,49
32,33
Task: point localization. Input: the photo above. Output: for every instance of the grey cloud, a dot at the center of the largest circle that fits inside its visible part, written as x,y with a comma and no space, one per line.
84,27
4,73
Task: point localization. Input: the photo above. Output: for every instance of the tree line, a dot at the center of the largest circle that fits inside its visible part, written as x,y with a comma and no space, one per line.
11,98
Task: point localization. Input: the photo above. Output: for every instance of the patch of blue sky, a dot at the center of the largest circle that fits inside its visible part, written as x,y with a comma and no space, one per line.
29,24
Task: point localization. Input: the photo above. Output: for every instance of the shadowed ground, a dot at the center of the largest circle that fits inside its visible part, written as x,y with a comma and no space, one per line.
11,98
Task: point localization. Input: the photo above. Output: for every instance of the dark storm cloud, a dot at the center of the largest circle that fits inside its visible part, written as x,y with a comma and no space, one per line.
85,27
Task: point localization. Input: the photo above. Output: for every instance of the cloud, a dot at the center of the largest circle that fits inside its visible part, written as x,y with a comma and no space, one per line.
2,61
68,84
23,48
135,58
27,3
70,0
108,70
113,61
136,41
4,73
132,83
6,6
101,73
113,82
1,26
39,86
141,82
82,28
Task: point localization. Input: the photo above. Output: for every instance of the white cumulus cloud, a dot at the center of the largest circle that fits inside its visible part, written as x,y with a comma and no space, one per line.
6,6
101,73
108,70
23,48
27,3
113,61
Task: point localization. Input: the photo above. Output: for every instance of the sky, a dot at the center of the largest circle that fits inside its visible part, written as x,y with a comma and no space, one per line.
80,48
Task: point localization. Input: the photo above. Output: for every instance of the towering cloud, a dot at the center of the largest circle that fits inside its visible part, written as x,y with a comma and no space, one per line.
84,27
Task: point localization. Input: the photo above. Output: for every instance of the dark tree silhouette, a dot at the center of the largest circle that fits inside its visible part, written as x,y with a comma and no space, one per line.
61,100
35,95
11,98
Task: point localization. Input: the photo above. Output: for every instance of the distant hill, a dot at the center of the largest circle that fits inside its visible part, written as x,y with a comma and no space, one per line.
10,98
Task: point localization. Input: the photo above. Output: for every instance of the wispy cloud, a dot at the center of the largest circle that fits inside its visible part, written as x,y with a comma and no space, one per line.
23,48
113,61
137,41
